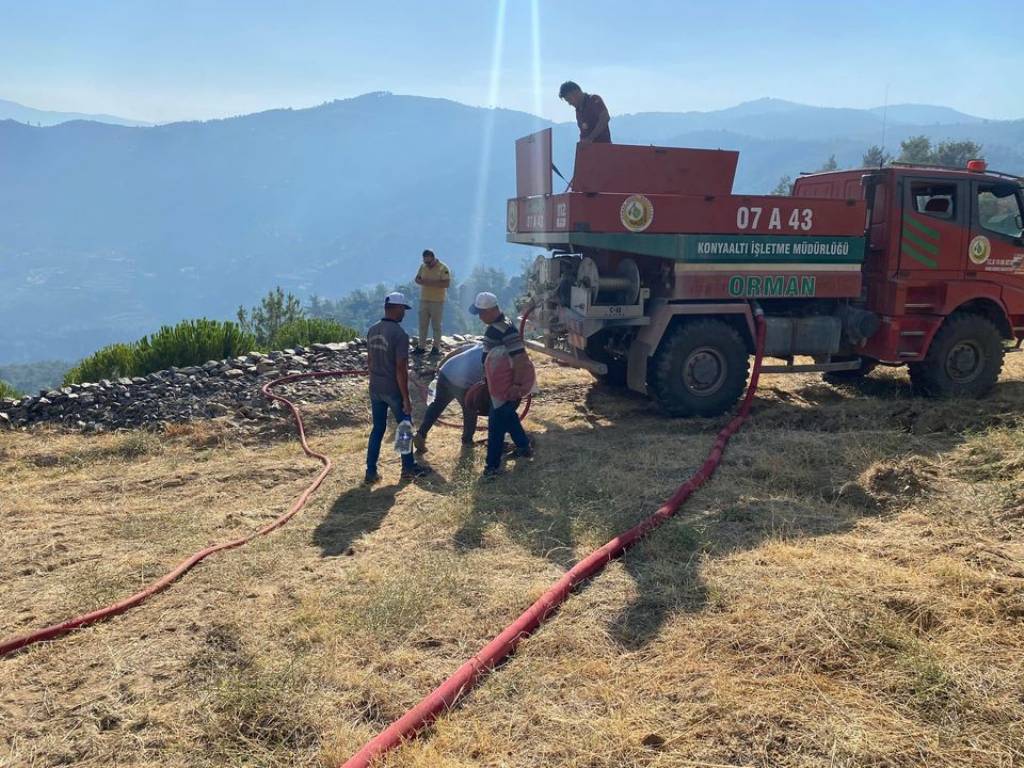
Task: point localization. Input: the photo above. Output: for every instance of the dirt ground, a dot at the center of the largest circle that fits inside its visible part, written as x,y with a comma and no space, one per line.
847,591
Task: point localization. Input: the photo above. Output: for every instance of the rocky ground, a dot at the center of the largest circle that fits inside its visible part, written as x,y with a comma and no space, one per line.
219,389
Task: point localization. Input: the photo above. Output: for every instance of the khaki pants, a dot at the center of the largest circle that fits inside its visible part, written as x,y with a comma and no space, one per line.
430,314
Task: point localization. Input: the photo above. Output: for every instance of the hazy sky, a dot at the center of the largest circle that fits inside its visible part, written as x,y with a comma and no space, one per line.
183,59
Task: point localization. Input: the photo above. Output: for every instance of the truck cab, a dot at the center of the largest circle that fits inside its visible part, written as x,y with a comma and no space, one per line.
939,241
654,267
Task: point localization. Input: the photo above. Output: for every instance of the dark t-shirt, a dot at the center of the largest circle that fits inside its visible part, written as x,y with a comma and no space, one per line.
587,116
387,345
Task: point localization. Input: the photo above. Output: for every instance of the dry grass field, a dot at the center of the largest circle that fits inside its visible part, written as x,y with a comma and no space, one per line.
847,591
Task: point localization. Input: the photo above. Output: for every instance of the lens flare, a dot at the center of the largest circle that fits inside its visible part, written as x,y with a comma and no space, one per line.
484,165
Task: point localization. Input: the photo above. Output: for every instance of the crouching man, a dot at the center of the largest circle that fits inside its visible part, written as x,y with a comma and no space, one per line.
456,376
387,356
510,377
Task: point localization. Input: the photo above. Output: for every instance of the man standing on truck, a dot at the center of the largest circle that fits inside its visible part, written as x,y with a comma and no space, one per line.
387,357
456,376
591,114
434,279
510,377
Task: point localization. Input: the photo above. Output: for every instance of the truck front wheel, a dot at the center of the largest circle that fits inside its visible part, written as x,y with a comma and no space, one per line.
964,358
700,369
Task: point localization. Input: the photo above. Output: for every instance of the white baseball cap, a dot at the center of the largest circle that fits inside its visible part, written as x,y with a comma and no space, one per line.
396,299
484,300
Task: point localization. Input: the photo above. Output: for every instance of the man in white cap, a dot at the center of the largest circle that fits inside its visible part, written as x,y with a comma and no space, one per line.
510,377
387,357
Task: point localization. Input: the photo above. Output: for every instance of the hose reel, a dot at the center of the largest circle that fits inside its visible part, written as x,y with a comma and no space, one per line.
623,287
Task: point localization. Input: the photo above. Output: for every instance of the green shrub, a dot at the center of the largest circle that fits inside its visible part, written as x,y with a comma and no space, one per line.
190,342
302,333
193,342
112,361
7,391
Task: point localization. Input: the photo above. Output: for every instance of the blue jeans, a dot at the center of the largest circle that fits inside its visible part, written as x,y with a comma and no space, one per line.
379,405
446,392
501,421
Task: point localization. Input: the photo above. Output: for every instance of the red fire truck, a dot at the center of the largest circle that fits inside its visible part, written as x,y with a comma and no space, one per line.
655,264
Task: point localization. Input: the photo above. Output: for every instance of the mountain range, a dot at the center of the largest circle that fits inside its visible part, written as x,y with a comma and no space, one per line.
11,110
108,230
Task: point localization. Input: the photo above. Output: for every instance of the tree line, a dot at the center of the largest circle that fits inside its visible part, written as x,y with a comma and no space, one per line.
917,149
363,307
281,321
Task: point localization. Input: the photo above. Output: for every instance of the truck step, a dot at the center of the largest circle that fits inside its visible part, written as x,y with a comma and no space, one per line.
850,365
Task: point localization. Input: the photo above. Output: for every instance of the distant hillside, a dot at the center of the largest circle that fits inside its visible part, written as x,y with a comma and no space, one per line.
109,231
10,110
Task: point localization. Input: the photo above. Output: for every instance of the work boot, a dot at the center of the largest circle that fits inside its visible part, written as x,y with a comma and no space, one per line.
417,350
490,473
371,478
522,453
420,442
415,472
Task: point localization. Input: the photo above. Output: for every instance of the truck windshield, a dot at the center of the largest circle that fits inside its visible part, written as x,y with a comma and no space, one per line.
999,209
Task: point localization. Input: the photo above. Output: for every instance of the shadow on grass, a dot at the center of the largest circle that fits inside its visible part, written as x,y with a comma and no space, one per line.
760,493
354,514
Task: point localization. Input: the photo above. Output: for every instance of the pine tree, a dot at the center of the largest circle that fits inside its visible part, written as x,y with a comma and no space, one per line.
876,157
273,311
916,149
955,154
784,187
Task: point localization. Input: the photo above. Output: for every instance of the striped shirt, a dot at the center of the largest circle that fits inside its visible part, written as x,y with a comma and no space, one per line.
502,333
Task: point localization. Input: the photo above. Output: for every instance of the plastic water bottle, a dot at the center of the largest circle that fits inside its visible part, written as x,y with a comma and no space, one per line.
403,437
432,392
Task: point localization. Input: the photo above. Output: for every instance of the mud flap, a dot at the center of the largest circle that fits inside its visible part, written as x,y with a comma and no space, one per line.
636,372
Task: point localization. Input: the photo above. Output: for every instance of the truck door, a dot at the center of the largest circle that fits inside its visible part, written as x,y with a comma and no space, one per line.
935,216
997,221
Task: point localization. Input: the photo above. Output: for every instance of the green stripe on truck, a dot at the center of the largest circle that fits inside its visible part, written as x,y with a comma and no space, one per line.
728,249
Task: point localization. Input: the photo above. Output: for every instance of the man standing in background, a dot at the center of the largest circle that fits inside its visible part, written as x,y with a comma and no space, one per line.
387,357
433,278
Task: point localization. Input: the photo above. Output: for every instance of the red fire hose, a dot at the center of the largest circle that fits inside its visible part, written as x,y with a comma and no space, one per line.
100,614
47,633
466,677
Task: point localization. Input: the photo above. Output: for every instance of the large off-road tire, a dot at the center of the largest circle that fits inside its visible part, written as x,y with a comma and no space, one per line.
837,378
700,369
964,358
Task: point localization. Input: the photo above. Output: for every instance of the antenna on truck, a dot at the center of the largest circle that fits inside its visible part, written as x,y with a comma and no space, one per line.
885,118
